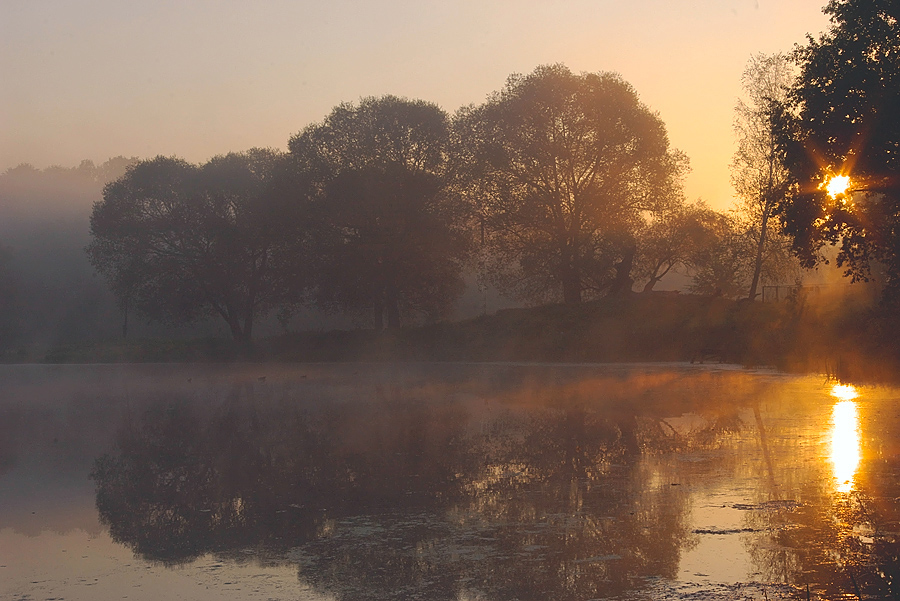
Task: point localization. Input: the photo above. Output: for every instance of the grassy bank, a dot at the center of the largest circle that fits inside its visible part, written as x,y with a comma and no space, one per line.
848,337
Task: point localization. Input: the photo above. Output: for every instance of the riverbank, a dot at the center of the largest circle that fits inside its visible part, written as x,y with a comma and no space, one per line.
848,337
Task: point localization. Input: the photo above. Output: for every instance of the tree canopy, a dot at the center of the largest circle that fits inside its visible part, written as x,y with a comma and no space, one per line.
180,241
674,238
843,118
569,179
391,236
563,168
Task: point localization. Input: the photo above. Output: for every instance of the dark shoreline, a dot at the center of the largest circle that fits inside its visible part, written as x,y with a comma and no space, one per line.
851,339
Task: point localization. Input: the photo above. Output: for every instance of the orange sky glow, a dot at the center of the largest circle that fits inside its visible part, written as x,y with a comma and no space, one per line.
99,78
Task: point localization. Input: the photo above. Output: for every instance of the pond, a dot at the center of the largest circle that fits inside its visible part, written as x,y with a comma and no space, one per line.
445,482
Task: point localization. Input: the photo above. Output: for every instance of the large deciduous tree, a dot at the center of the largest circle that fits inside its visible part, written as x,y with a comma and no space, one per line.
179,241
391,236
758,175
563,168
843,117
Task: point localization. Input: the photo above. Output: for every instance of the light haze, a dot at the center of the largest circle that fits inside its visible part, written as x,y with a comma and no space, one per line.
99,78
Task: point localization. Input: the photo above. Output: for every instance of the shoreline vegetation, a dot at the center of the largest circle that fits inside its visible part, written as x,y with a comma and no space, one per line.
848,337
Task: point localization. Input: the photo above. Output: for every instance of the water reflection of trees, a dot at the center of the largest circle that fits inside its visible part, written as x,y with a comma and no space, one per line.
398,497
186,480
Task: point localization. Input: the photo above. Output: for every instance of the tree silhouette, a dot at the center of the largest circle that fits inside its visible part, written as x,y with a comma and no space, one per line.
391,235
843,117
719,262
672,239
10,301
44,223
178,241
757,173
562,166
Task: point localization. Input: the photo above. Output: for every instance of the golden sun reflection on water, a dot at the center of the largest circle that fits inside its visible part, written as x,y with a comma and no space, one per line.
845,437
845,392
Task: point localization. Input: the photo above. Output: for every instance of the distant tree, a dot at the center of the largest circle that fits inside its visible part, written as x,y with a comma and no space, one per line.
109,170
719,261
44,220
672,239
178,241
843,117
392,237
10,301
562,167
758,175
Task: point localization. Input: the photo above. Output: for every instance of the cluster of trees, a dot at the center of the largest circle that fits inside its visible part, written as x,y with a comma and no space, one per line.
830,109
48,291
178,240
559,187
358,216
841,117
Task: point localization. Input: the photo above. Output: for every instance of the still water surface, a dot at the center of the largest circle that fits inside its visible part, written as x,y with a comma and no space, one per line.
444,482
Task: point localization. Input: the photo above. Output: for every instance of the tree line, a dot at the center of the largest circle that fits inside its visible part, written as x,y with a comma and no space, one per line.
49,294
560,186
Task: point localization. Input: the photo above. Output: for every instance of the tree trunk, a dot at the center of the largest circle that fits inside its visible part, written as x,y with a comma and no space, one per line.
571,288
238,334
393,315
623,282
569,274
768,203
379,315
125,318
248,328
392,303
657,276
760,248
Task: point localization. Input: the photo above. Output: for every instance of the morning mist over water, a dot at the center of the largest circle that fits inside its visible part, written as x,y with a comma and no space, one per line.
442,481
462,301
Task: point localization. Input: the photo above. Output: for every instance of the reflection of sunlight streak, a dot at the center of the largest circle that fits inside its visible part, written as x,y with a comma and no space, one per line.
845,453
844,392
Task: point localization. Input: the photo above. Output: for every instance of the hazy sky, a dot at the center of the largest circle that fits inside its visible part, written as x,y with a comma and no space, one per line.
91,79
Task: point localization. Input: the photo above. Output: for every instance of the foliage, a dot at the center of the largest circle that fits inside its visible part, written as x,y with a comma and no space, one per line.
843,116
725,256
562,167
757,173
391,236
672,239
179,241
719,260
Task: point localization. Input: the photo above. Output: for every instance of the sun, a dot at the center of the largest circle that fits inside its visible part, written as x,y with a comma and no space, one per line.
837,185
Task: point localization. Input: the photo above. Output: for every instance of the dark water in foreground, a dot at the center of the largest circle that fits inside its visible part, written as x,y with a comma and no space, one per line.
444,482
